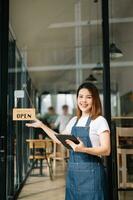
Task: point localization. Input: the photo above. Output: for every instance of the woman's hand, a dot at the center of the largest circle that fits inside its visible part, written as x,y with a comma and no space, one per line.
76,147
36,124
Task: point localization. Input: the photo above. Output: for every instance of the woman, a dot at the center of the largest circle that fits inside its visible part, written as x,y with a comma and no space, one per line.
86,177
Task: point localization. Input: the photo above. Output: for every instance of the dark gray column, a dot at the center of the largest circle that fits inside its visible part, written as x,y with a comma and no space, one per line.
111,160
11,133
4,21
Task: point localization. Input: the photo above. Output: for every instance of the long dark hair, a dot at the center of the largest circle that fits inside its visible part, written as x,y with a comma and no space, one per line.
96,103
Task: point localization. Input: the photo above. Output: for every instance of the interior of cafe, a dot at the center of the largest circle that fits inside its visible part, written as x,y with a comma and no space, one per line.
54,46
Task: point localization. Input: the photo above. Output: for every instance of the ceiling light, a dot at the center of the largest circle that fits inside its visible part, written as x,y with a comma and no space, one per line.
98,69
91,78
114,51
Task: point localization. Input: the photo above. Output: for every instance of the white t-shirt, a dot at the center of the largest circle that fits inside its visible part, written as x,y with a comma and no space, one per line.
97,126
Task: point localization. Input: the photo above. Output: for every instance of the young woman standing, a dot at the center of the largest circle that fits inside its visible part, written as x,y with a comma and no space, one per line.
86,177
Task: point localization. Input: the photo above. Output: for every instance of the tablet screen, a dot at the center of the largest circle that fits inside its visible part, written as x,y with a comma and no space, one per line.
63,139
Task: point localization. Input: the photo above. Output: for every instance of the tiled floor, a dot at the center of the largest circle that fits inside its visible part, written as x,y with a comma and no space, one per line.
41,187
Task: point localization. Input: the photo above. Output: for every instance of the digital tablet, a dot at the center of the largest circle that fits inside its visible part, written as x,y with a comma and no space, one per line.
63,139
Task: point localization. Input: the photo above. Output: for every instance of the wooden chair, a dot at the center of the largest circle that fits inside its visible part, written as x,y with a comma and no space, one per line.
41,150
123,149
59,154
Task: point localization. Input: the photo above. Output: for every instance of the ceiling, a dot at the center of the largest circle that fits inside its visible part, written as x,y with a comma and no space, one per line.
56,47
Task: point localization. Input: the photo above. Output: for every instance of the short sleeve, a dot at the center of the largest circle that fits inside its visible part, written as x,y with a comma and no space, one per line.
69,126
102,125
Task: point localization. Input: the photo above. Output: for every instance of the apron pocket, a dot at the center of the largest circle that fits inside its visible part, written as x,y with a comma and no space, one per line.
86,180
89,180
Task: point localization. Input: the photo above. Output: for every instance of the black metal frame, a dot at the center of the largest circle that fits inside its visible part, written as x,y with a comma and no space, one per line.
4,21
10,135
111,160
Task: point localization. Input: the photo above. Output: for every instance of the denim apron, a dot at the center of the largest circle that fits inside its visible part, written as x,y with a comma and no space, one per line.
86,178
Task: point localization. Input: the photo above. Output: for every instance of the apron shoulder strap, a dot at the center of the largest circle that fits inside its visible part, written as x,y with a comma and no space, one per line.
88,121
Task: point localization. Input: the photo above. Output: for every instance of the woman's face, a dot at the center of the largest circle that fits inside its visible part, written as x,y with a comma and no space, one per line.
84,101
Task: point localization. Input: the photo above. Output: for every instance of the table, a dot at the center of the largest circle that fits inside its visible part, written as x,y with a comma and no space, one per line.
46,145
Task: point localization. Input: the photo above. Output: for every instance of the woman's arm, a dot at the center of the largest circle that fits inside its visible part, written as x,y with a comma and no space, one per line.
103,150
49,131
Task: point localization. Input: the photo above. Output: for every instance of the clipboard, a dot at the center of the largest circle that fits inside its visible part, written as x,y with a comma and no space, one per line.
64,137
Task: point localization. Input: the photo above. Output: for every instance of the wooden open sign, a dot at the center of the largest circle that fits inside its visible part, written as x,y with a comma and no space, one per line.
23,114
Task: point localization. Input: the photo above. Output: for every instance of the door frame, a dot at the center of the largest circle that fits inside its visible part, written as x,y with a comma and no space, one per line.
4,24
